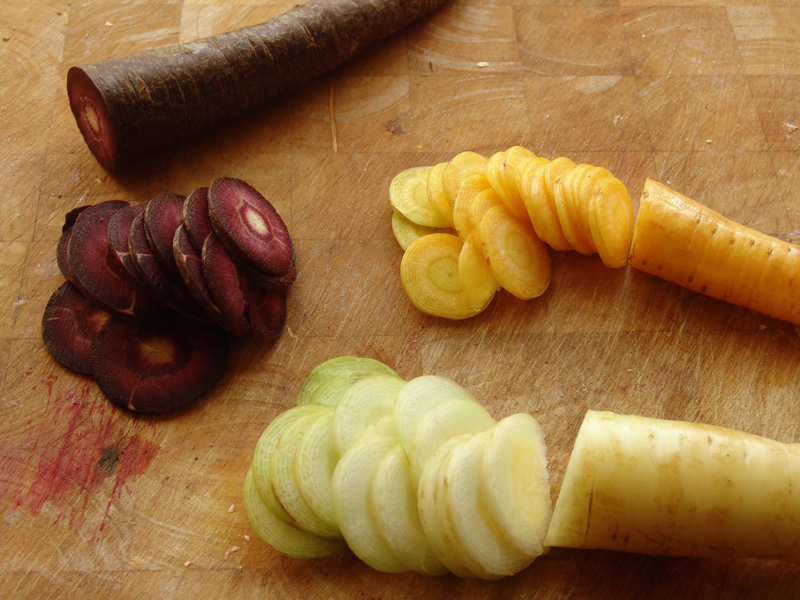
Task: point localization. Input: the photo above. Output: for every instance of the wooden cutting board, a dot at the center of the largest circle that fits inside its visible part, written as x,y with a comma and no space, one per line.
701,95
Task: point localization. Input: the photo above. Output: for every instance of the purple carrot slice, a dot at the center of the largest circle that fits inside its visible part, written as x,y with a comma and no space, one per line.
171,293
70,323
245,220
162,217
62,249
226,284
118,232
266,311
155,367
277,283
97,270
191,267
196,219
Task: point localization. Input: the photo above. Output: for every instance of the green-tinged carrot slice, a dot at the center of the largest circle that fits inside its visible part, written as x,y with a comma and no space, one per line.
476,276
314,463
351,500
517,258
436,195
266,446
408,195
393,504
501,171
285,538
284,483
429,274
468,191
460,167
514,482
406,231
472,526
352,367
362,404
680,240
610,212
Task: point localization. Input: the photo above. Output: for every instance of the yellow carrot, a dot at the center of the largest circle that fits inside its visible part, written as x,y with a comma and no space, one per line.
682,241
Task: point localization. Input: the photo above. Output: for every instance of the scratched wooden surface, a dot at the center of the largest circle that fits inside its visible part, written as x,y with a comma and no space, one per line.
703,95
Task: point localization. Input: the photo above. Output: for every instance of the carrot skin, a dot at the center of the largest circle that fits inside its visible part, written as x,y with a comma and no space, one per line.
129,105
682,241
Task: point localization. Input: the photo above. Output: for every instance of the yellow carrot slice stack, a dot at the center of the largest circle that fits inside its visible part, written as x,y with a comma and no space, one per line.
682,241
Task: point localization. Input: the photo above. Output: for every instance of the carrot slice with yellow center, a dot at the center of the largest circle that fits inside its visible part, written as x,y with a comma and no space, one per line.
429,273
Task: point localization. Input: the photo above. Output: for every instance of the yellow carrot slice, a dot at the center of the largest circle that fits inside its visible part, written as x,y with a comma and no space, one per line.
476,276
501,171
429,274
517,258
436,195
567,204
541,211
460,167
406,231
468,191
480,206
611,221
682,241
408,195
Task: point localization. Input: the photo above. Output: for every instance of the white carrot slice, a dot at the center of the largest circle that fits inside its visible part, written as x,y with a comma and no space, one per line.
448,419
517,258
662,487
315,461
429,274
472,526
476,276
393,504
408,195
417,397
350,488
362,404
514,482
284,482
285,538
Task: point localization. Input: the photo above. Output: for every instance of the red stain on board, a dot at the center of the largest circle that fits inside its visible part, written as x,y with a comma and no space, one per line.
82,447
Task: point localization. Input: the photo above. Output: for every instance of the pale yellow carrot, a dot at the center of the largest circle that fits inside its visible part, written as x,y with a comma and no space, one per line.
682,241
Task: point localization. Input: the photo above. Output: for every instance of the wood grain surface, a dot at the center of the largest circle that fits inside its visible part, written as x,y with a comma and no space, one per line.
703,95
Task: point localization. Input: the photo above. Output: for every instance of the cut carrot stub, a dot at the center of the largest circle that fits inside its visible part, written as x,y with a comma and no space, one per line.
436,195
501,171
476,276
429,273
408,195
467,193
682,241
517,258
611,221
460,167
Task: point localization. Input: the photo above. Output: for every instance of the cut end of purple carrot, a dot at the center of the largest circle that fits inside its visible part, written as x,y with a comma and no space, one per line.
92,116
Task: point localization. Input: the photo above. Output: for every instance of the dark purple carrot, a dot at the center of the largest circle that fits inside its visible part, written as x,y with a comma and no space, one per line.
155,367
70,323
118,232
225,282
62,249
126,106
162,217
196,219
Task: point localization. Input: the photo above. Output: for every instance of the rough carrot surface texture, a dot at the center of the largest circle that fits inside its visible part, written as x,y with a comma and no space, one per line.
682,241
126,106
